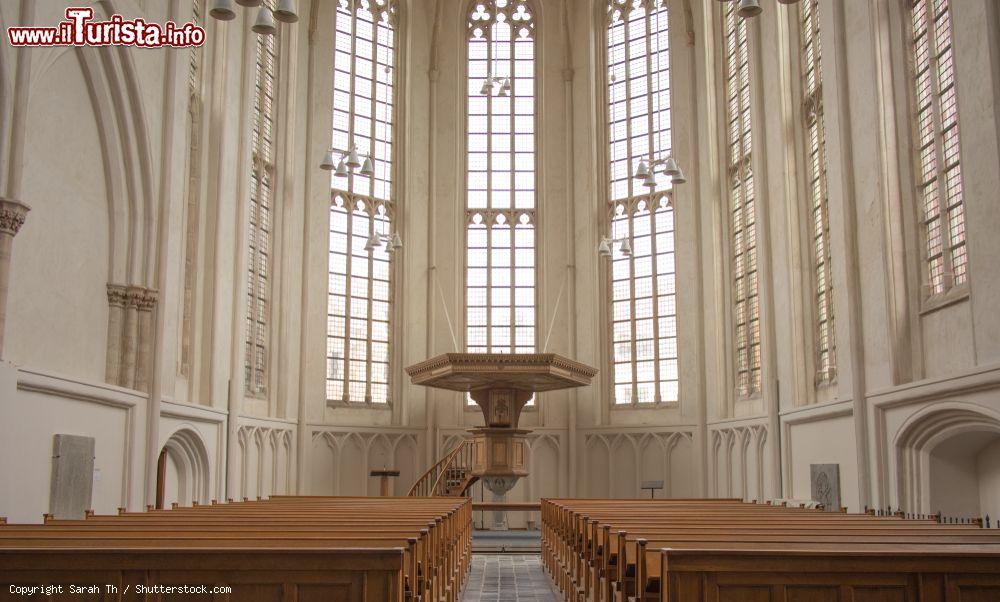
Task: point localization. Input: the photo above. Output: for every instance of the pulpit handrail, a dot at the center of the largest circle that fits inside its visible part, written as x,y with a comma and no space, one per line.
431,482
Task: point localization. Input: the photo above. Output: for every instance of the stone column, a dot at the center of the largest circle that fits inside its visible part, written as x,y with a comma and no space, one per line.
130,343
116,323
146,303
12,214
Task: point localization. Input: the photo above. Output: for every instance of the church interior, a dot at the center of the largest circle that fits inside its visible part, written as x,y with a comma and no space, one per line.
481,300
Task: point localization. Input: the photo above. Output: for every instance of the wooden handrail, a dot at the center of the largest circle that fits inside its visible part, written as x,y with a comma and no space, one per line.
431,482
463,455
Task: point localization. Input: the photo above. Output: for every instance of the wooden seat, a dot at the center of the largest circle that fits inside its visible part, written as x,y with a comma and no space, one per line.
719,550
280,549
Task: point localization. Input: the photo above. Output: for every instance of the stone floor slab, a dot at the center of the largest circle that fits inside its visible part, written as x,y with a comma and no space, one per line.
508,578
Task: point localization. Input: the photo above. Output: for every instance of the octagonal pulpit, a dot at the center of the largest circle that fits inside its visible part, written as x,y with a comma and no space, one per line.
500,384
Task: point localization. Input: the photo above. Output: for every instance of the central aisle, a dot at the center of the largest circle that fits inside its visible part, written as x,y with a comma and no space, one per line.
508,578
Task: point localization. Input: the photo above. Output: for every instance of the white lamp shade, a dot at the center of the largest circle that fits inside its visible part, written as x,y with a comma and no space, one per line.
286,11
603,249
367,169
222,10
626,247
329,162
353,161
506,87
670,167
373,242
642,171
748,8
678,178
341,169
397,242
485,90
265,24
248,2
650,181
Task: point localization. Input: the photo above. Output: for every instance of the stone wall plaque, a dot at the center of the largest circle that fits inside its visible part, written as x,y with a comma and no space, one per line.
825,483
72,476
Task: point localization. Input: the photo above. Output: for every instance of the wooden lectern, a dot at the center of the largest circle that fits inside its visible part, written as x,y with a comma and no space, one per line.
384,483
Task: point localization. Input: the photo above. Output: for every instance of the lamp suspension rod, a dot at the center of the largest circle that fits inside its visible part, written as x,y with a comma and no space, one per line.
444,306
555,311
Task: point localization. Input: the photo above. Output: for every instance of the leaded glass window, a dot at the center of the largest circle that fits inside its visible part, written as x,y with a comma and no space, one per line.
359,292
500,192
815,133
742,205
939,169
262,141
643,301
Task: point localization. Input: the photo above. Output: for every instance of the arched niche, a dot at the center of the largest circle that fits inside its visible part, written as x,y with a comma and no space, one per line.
948,461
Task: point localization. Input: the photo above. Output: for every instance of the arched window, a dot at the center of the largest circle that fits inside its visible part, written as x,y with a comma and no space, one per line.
500,193
262,143
742,205
815,145
359,294
939,170
643,282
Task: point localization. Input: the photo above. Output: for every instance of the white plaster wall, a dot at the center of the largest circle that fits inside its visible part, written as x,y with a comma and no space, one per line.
62,252
954,476
41,407
827,441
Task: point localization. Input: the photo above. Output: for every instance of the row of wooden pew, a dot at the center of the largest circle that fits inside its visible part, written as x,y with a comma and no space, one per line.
731,551
284,549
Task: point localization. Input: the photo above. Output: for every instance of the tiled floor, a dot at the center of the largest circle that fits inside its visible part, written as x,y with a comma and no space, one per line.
508,578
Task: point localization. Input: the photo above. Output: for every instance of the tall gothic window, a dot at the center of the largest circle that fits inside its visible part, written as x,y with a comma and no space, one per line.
742,206
193,191
359,293
262,141
939,171
643,283
500,197
812,104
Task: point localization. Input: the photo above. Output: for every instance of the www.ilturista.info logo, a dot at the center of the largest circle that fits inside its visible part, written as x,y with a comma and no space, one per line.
79,29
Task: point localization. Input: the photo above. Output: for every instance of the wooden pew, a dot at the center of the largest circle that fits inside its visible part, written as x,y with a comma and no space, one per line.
624,550
285,548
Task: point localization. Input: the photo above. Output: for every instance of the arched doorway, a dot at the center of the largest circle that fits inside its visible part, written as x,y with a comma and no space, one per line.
182,470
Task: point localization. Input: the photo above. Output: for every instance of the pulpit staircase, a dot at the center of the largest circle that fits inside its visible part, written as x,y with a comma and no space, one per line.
450,476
